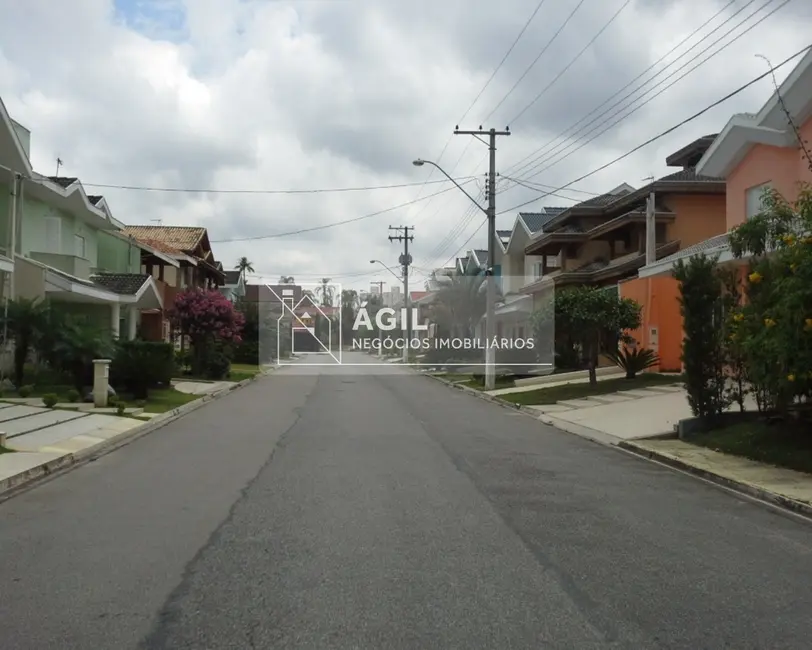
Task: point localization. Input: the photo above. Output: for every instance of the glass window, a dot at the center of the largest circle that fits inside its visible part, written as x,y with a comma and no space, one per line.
753,199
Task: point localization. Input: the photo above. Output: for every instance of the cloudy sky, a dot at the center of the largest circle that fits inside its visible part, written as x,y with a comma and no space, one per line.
260,96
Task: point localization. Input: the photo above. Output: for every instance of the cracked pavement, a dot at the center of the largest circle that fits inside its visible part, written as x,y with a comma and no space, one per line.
367,507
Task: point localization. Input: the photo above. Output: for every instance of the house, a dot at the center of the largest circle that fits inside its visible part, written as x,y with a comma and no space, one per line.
602,241
176,258
752,152
62,244
234,287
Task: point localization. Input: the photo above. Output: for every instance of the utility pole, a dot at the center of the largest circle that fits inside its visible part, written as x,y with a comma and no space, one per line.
405,261
490,326
380,331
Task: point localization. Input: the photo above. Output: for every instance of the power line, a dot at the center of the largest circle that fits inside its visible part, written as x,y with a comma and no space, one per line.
637,108
502,62
567,67
473,103
529,186
336,223
666,132
536,60
465,243
518,166
143,188
543,158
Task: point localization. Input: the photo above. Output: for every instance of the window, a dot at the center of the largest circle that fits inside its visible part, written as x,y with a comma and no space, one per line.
537,270
753,199
53,234
552,261
79,246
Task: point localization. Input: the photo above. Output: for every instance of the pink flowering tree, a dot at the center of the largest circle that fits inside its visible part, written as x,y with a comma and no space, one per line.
212,324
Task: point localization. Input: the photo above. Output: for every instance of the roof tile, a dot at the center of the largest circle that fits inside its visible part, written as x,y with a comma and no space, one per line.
126,284
182,238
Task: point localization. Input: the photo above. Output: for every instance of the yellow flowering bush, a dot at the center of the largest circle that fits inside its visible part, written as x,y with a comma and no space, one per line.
775,327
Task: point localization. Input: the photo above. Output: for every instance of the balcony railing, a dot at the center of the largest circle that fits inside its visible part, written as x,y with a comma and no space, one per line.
71,264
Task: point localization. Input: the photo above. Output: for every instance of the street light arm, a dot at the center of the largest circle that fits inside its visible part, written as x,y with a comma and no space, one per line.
419,163
387,268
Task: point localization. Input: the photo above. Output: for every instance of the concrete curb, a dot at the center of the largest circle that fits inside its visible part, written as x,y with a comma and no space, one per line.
761,494
13,485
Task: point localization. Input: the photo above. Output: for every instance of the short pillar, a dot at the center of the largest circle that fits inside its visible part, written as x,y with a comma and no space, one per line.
115,319
132,323
101,382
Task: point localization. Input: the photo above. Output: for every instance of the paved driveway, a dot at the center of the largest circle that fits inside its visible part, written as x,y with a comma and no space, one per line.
355,507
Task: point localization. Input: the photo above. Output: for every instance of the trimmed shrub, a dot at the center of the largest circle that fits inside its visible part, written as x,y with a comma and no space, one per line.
25,391
141,365
50,400
73,395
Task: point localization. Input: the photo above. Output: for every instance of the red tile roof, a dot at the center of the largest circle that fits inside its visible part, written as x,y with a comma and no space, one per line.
183,238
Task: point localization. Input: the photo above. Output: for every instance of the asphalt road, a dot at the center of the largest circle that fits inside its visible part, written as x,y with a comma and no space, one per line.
371,508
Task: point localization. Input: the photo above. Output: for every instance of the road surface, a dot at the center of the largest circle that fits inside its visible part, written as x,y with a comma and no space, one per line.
365,507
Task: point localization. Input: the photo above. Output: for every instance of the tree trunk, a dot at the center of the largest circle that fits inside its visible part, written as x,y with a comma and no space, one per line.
592,366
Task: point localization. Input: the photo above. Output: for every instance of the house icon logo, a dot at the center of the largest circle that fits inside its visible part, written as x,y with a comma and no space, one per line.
312,327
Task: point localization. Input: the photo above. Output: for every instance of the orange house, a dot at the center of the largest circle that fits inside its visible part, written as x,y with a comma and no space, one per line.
753,152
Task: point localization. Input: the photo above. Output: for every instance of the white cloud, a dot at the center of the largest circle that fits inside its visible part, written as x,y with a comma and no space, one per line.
268,94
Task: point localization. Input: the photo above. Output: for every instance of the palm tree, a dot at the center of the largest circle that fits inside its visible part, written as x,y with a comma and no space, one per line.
460,304
326,292
244,266
286,279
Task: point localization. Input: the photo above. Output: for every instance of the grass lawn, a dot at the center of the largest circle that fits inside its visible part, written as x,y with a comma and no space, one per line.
553,394
241,371
467,379
780,444
162,400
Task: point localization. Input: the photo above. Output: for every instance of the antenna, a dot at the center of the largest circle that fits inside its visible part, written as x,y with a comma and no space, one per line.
58,165
160,222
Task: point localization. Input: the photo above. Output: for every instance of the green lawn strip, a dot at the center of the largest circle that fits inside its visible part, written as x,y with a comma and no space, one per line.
781,444
161,400
242,371
501,382
4,450
553,394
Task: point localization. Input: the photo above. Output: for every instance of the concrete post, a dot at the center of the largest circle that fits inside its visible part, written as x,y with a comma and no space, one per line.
101,381
115,319
132,322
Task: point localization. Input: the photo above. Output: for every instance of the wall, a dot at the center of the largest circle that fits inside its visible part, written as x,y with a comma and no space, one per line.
783,167
587,252
659,299
32,231
5,204
29,280
116,255
699,217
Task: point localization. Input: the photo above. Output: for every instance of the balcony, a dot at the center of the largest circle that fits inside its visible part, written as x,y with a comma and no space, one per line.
78,267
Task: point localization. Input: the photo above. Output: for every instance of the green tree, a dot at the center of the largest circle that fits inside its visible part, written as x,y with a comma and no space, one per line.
286,279
460,305
775,324
349,310
596,318
326,291
703,350
25,321
244,266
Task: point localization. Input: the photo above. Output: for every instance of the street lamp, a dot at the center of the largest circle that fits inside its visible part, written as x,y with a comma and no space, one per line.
386,267
490,308
420,162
